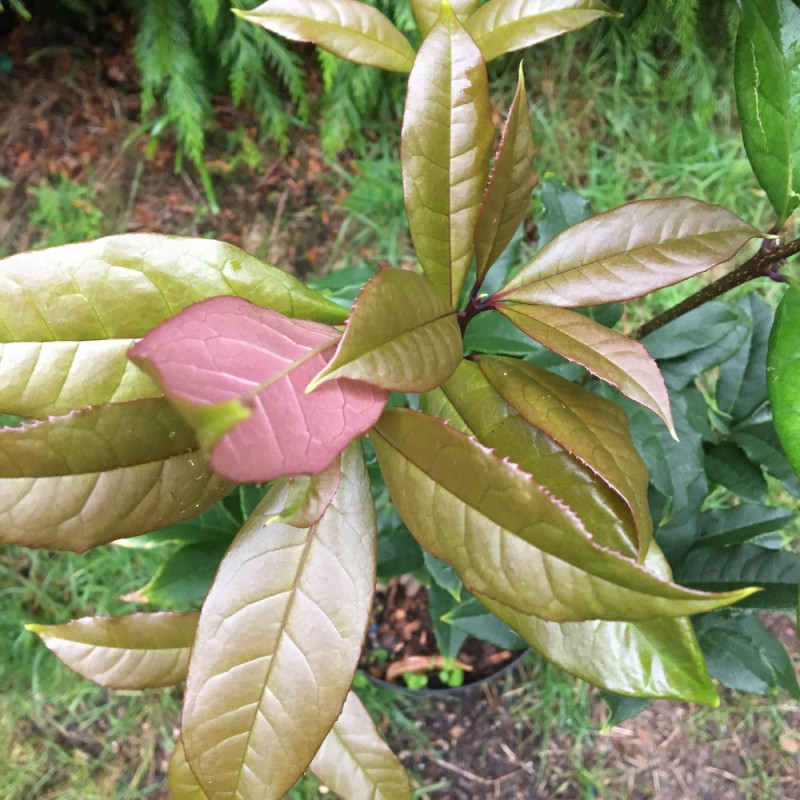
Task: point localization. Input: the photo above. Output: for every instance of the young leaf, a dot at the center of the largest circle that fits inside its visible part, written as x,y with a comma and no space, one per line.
182,783
445,148
228,350
76,512
783,374
762,99
616,359
347,28
459,498
137,651
501,26
628,252
401,335
508,193
355,762
248,727
427,11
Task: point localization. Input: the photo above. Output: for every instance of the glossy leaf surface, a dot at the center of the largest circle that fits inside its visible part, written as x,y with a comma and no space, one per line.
258,707
508,193
137,651
347,28
501,26
402,335
355,762
76,512
226,350
509,540
783,374
445,148
629,251
616,359
182,783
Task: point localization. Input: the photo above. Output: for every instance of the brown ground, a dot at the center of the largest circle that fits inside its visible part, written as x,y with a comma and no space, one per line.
68,112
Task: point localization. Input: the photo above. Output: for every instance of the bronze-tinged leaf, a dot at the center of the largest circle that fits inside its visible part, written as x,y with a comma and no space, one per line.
508,193
76,512
610,356
258,707
182,783
137,651
355,762
630,251
427,11
402,335
445,149
509,539
501,26
347,28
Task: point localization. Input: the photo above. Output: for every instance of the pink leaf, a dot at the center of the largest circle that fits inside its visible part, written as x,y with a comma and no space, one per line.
226,350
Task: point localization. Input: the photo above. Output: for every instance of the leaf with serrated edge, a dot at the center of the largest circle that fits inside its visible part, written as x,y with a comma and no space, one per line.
401,335
182,783
427,11
95,440
501,26
444,154
257,708
226,349
630,251
510,540
76,512
482,411
136,651
508,193
616,359
38,379
347,28
355,762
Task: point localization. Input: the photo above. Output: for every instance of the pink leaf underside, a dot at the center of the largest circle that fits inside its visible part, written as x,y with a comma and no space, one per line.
226,348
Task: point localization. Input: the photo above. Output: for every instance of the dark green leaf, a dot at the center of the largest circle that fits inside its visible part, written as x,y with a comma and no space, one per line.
728,526
621,708
472,617
727,465
449,638
563,207
443,575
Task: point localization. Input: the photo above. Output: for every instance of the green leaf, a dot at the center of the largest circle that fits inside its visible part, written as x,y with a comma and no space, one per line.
473,618
563,206
727,465
761,445
248,726
182,783
491,332
347,28
723,527
76,512
621,708
790,42
783,374
762,99
628,252
97,439
462,501
355,762
508,193
137,651
444,575
501,26
449,639
445,148
427,11
742,654
610,356
401,335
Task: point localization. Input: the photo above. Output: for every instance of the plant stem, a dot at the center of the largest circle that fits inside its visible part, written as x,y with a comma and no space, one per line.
762,264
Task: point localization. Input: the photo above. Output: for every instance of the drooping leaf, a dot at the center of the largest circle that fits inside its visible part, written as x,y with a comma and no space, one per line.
727,465
612,357
501,26
402,335
258,707
445,148
347,28
136,651
182,783
742,654
509,540
97,439
783,374
76,512
228,350
762,99
426,11
355,762
628,252
508,193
